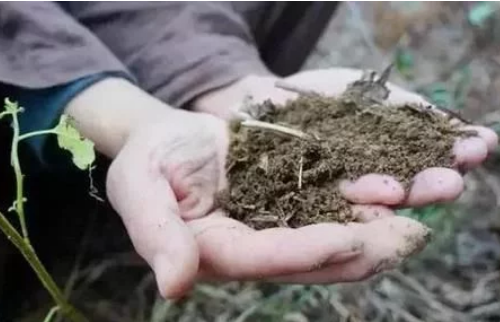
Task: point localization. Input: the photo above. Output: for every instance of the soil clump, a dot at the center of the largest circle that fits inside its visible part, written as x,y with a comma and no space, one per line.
288,176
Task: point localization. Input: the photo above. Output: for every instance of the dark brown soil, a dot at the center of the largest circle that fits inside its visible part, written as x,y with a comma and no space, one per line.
276,179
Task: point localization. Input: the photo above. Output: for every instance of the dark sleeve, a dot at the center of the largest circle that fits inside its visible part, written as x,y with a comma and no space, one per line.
41,46
176,50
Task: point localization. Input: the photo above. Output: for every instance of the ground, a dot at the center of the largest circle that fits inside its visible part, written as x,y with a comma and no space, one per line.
443,52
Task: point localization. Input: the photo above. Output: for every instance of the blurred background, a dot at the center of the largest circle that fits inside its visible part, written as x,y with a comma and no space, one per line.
447,51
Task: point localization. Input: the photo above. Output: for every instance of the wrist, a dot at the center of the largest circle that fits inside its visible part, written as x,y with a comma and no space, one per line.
108,111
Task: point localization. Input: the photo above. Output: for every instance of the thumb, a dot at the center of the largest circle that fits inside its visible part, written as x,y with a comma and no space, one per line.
148,208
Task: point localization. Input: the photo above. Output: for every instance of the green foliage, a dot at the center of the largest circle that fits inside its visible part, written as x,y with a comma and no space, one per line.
442,219
438,94
52,314
451,94
81,149
495,127
404,62
69,139
461,88
428,215
481,12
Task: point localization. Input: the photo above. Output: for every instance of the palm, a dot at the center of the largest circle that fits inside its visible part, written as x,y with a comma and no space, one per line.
162,184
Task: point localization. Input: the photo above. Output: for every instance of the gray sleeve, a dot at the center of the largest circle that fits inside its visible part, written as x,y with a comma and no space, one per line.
176,50
41,46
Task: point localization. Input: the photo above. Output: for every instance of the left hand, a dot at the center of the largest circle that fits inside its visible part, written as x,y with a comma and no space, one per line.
166,166
430,186
162,184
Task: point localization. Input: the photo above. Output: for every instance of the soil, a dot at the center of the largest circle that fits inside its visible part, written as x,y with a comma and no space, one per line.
291,180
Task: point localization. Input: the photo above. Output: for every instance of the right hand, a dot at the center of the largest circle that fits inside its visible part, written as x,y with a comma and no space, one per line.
430,186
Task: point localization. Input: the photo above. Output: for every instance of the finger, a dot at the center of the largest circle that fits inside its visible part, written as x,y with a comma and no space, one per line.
373,189
387,243
470,152
231,249
488,135
368,213
434,185
148,208
207,274
363,213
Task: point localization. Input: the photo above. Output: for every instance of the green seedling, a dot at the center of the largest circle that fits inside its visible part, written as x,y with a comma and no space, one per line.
83,156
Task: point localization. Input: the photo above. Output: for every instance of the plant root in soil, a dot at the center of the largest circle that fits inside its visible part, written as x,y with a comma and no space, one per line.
285,165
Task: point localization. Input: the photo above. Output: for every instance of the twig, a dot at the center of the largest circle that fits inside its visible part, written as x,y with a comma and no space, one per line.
491,182
140,292
407,316
341,309
275,127
32,258
427,296
482,285
295,88
73,277
51,314
488,279
92,273
492,309
252,309
301,164
160,310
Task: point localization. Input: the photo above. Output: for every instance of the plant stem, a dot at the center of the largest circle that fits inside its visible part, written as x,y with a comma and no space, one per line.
24,246
22,241
14,159
36,133
51,314
275,128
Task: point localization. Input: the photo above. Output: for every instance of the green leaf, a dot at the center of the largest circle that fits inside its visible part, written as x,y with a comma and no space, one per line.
496,127
10,107
480,13
439,94
462,87
404,62
427,214
81,149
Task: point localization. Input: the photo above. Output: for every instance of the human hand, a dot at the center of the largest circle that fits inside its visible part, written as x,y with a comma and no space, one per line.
162,184
432,185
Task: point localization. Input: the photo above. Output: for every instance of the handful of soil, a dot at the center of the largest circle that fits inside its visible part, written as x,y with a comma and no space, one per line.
284,166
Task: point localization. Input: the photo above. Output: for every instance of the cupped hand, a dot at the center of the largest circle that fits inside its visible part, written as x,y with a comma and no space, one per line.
430,186
162,184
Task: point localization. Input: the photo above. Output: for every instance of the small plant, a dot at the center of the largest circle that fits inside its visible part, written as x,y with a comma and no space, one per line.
83,154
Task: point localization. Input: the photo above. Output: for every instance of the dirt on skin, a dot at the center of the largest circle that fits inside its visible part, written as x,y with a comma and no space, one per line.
278,179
